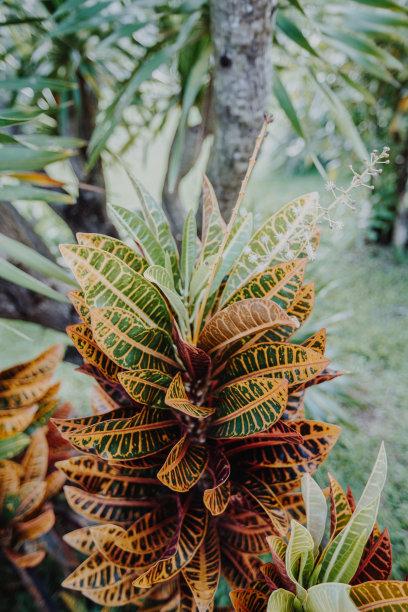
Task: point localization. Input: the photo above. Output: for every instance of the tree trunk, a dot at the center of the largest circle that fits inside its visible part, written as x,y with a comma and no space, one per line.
400,226
242,37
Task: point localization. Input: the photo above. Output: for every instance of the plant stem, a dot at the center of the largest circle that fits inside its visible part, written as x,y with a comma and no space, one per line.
252,160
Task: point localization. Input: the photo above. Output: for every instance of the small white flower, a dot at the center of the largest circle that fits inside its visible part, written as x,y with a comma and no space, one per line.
259,268
310,252
280,236
290,254
338,225
247,250
330,186
253,258
264,239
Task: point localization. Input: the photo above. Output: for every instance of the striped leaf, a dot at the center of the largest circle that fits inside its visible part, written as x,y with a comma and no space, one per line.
77,299
241,319
295,363
291,226
99,477
216,498
122,439
289,461
196,361
202,573
123,511
84,341
20,395
263,495
100,401
376,562
30,371
177,398
160,277
35,460
192,533
299,557
330,597
381,596
125,340
238,568
189,249
147,387
184,465
107,281
281,600
295,506
246,532
32,495
301,309
142,543
280,283
249,599
213,226
121,593
340,511
95,573
246,408
137,229
16,420
68,426
115,247
81,540
295,407
158,222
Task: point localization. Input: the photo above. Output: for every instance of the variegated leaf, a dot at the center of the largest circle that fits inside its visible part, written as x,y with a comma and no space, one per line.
101,402
280,284
196,361
123,511
381,596
250,407
216,498
115,247
249,599
239,320
177,398
84,341
107,281
20,395
148,387
99,477
78,301
68,426
293,362
340,511
128,343
16,420
35,460
184,465
144,434
81,540
376,562
263,495
301,309
238,568
32,495
192,533
32,370
136,228
96,572
246,532
213,226
202,573
284,234
295,407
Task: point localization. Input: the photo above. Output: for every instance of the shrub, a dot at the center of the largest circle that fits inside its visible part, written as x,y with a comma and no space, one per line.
29,448
196,454
350,572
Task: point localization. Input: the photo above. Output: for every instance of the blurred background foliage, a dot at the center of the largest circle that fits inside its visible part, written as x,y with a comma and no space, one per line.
86,82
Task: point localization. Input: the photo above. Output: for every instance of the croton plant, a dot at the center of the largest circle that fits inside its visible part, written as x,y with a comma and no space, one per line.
29,448
197,452
350,572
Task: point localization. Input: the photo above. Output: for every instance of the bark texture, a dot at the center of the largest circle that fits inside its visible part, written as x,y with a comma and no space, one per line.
242,38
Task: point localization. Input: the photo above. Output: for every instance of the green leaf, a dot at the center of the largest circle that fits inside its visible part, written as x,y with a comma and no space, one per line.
329,598
31,259
316,510
240,235
281,237
189,249
23,279
37,83
15,116
286,104
137,229
157,221
343,554
291,30
16,157
281,601
10,447
385,4
213,227
10,193
160,277
299,557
